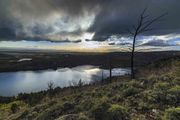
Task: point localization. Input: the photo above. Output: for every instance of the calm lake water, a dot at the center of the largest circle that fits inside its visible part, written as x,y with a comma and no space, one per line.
12,83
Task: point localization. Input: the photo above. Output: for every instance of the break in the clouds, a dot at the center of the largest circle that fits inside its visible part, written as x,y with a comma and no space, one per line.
80,19
153,40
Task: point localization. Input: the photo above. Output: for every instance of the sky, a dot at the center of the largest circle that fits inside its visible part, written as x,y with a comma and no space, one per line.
86,25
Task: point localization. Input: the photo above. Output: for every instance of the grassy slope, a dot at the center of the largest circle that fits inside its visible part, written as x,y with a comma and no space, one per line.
156,90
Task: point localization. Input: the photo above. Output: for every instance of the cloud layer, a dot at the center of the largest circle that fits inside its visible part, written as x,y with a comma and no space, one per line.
71,19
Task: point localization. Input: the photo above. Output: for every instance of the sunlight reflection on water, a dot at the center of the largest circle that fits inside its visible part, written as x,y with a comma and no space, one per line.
13,83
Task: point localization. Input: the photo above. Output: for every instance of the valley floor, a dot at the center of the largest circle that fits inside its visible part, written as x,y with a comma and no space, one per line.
22,61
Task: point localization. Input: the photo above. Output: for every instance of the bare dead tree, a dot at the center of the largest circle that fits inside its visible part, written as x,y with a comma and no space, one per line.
50,85
102,76
144,24
80,83
110,66
50,88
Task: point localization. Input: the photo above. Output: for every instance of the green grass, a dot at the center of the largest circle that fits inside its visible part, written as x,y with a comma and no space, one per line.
172,114
6,109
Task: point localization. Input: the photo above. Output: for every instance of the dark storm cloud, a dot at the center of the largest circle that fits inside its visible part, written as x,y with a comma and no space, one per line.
7,33
122,14
33,18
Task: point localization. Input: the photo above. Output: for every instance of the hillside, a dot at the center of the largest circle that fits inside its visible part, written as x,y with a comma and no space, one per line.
153,95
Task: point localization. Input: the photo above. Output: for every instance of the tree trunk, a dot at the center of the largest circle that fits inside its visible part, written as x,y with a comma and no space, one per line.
132,58
110,72
110,69
102,77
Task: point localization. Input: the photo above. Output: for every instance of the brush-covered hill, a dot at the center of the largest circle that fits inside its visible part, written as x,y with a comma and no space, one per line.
153,95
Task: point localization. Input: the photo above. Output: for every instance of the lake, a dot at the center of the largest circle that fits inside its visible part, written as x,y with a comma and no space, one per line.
12,83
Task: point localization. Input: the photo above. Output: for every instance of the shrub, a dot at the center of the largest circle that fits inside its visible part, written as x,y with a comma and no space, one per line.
152,78
173,95
160,94
130,91
31,99
167,77
117,112
172,114
135,84
175,90
68,105
163,94
51,113
176,81
86,103
117,98
100,111
106,111
14,108
23,115
161,86
143,106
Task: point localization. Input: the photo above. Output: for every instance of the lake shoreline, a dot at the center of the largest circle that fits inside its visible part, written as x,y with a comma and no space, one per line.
13,83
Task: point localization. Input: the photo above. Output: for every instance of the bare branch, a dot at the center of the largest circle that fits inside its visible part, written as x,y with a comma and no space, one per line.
134,27
144,17
129,32
140,24
148,29
148,24
143,13
50,85
143,25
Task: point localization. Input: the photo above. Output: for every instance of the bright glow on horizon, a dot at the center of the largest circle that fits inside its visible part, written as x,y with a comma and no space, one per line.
88,36
113,44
